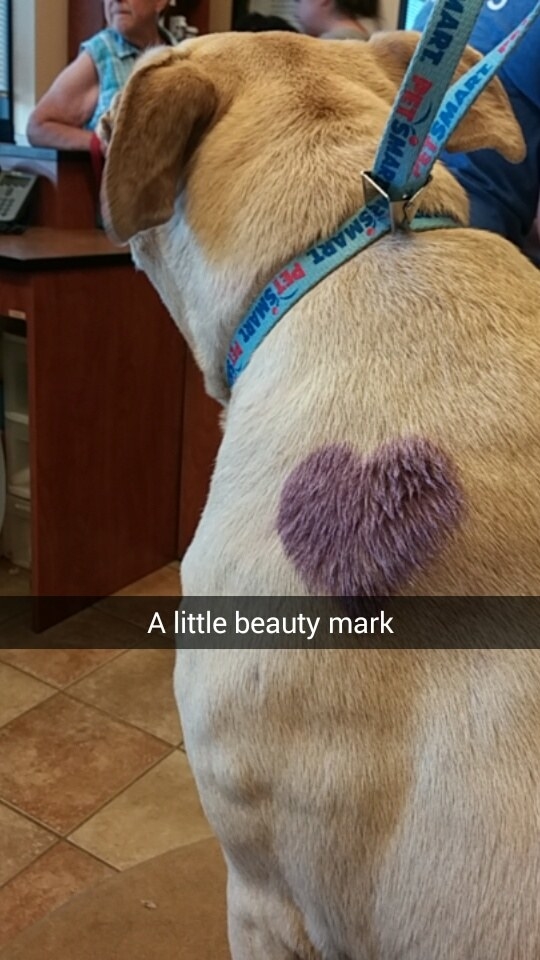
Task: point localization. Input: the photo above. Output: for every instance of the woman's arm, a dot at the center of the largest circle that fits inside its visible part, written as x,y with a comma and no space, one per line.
59,117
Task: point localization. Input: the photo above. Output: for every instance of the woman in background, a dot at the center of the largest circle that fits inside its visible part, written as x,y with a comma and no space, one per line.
336,19
68,112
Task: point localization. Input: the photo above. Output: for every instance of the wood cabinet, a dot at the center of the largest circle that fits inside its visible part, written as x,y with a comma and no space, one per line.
123,438
105,376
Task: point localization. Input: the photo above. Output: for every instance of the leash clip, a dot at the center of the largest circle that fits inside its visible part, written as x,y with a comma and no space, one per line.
402,211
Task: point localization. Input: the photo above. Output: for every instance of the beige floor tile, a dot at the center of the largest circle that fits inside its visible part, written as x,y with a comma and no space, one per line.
137,688
158,813
140,611
21,841
47,883
138,602
62,761
57,667
69,650
19,692
162,583
89,629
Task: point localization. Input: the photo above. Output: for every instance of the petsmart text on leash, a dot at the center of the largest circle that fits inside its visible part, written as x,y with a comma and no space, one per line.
205,624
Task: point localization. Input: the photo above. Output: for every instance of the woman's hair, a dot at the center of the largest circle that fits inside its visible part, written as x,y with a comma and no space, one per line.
359,8
256,23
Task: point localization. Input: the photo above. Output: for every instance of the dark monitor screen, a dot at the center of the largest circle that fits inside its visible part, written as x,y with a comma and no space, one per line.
6,72
408,12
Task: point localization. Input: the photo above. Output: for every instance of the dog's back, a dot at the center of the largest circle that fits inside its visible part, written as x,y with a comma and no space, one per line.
425,341
371,804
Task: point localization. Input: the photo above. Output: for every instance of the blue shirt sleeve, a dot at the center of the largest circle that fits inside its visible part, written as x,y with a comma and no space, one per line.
422,17
504,196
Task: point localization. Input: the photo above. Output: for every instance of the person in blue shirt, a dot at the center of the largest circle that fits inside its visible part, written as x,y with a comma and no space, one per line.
68,113
504,196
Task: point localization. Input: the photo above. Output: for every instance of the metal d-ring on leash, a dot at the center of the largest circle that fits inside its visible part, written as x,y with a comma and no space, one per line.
424,116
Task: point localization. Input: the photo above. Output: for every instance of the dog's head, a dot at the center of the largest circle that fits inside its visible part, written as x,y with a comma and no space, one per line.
231,153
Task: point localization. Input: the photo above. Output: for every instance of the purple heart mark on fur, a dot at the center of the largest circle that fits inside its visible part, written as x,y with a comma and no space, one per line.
363,526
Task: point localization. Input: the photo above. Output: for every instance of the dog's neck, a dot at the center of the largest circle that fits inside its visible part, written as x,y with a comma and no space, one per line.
211,294
442,197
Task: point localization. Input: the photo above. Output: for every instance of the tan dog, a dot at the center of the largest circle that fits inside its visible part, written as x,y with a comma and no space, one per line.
372,805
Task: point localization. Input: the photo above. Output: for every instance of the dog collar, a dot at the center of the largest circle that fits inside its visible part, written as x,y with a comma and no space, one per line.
302,274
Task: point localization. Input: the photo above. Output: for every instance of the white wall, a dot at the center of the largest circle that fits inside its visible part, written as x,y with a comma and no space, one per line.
52,41
40,30
389,13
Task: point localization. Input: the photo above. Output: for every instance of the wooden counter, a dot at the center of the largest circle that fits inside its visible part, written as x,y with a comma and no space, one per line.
106,374
40,246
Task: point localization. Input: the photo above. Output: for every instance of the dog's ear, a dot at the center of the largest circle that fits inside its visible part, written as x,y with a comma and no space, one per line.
490,122
160,116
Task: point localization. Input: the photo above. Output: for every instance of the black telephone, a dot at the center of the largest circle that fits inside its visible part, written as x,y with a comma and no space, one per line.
15,190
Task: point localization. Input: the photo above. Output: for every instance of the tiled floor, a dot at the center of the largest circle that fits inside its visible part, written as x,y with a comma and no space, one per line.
93,777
